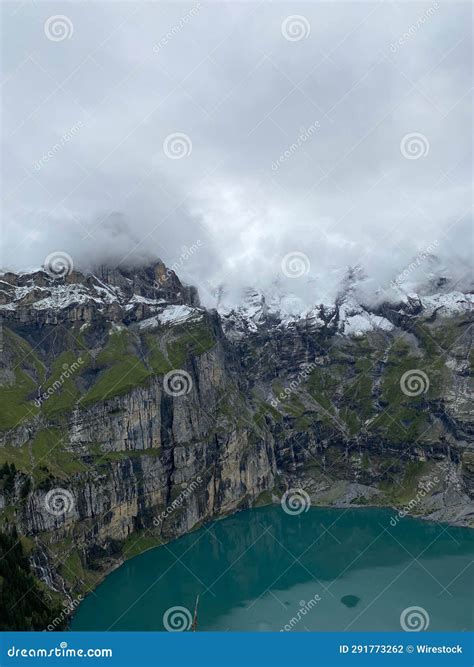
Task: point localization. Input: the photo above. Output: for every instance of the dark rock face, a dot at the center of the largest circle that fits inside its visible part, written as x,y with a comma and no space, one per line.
145,415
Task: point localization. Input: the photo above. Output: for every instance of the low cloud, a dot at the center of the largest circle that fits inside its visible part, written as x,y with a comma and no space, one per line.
340,104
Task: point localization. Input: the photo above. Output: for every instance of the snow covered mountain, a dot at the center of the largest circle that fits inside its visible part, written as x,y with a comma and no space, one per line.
118,388
346,315
126,295
153,295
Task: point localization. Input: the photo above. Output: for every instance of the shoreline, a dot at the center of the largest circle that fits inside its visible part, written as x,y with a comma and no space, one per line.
341,508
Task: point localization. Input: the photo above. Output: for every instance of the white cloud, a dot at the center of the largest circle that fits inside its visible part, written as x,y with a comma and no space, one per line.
243,94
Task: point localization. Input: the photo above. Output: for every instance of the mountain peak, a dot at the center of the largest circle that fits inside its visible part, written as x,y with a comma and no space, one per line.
118,292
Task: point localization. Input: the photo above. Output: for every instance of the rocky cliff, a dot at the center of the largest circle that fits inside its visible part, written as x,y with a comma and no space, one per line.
131,415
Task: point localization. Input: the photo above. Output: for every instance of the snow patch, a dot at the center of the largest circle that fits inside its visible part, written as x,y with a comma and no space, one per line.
360,324
447,305
171,315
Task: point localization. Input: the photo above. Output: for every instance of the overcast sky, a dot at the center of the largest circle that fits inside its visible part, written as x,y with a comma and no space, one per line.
337,131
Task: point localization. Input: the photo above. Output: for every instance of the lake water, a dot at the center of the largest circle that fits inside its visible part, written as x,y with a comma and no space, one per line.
325,569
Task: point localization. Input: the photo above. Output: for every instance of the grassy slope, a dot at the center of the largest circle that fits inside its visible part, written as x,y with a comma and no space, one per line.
344,390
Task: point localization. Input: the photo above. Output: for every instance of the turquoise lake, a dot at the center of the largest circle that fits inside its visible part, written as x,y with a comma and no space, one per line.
327,569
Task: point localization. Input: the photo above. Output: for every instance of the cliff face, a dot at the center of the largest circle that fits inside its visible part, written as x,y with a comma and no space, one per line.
130,415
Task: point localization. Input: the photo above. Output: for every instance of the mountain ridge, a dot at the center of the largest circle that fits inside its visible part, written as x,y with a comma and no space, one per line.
142,290
120,391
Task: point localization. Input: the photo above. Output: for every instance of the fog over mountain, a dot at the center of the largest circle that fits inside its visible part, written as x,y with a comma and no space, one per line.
264,144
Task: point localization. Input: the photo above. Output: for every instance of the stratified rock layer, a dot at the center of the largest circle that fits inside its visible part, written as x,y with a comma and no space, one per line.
152,415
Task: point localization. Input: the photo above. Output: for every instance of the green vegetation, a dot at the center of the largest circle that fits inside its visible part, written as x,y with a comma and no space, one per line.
322,383
23,601
104,457
359,390
188,340
66,393
351,420
13,399
402,480
155,357
118,367
137,543
404,418
18,456
7,477
265,498
121,370
51,459
17,393
45,457
25,354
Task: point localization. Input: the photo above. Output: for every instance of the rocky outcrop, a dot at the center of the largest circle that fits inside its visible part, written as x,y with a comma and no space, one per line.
176,415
